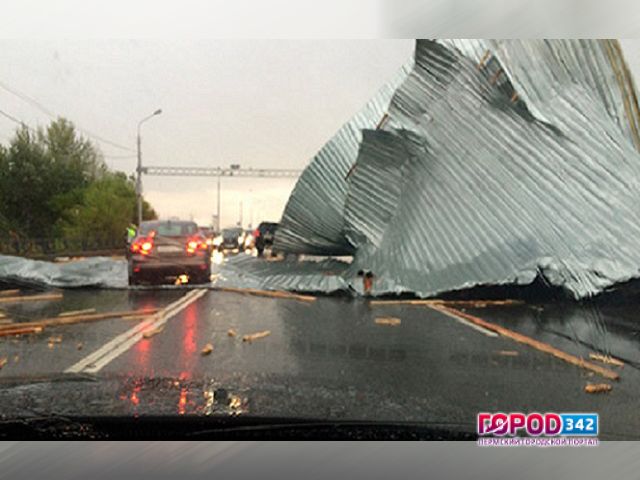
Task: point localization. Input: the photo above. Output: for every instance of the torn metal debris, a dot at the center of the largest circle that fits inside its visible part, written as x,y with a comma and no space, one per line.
498,162
90,272
314,219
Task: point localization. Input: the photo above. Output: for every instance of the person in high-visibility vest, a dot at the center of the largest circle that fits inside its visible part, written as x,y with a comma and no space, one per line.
131,233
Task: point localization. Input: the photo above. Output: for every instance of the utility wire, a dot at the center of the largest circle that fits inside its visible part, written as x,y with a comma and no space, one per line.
34,103
12,118
119,157
23,124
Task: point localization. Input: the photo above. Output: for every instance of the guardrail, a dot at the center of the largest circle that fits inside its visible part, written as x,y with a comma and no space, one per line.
57,247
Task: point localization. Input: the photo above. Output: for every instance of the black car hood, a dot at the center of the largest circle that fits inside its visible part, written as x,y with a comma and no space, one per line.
85,406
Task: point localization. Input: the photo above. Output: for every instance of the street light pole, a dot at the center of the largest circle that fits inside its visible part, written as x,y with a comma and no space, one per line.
139,181
218,206
139,167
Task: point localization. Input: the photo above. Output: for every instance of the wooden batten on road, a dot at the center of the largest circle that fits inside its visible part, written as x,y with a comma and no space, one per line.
269,293
256,336
19,330
538,345
71,319
457,303
32,298
73,313
9,293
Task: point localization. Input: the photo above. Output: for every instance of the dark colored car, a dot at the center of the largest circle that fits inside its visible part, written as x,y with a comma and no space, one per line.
264,235
168,249
232,238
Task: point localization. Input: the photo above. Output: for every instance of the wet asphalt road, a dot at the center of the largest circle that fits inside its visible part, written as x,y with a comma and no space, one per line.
326,360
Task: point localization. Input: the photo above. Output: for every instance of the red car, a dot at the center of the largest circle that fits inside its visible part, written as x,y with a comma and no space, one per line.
168,249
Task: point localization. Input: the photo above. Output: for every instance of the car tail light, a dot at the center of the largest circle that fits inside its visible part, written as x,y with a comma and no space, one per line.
143,246
196,243
256,233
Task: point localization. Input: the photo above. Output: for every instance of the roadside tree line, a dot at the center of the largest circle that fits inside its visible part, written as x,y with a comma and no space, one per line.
56,194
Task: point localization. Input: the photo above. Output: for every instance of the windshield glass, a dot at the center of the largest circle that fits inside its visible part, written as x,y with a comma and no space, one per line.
402,231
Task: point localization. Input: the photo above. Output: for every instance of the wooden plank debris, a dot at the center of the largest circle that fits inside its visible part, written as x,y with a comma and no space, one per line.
45,297
457,303
9,293
6,332
508,353
270,293
207,349
608,359
543,347
389,321
256,336
73,313
153,332
38,325
54,340
597,388
231,332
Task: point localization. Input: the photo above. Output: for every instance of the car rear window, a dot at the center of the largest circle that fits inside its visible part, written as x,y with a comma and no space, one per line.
268,227
169,229
232,232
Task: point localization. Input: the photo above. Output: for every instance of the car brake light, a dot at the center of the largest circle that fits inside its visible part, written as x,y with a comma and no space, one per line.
195,244
142,246
256,233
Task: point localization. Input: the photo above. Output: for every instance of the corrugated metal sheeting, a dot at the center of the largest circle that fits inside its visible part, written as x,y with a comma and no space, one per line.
497,161
91,272
313,221
246,271
481,163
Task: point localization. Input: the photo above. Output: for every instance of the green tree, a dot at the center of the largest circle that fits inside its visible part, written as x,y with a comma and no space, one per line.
104,210
54,184
40,166
25,185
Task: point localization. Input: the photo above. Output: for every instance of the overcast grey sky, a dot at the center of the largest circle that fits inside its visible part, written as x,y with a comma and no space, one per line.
257,103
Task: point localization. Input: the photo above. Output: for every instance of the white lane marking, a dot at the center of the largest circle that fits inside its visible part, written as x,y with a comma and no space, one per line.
142,326
97,360
464,321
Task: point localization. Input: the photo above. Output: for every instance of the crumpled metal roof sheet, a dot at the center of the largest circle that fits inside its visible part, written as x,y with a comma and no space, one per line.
499,161
496,162
313,219
245,271
541,70
91,272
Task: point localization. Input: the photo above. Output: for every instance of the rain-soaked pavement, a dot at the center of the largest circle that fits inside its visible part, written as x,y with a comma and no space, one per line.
327,359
